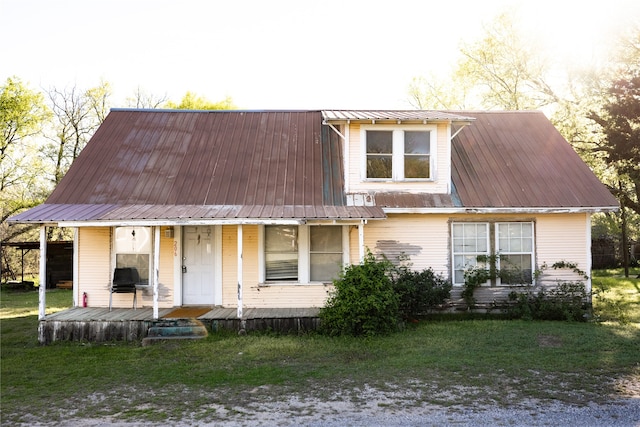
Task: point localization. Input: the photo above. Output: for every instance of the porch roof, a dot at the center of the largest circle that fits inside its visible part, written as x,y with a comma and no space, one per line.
185,214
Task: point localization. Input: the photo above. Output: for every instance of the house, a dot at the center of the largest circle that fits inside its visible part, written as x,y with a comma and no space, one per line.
260,209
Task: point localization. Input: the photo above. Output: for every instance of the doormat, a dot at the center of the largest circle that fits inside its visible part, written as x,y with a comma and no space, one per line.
187,313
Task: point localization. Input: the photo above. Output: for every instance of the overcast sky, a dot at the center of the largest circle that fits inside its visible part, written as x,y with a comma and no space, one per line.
278,54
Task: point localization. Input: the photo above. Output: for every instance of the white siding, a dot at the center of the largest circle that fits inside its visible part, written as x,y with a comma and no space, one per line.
95,271
94,266
254,294
442,167
424,238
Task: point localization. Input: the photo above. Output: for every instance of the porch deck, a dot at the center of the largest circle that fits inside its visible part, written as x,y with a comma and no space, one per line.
127,324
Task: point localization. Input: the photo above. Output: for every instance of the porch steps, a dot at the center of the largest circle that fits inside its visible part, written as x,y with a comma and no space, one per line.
175,329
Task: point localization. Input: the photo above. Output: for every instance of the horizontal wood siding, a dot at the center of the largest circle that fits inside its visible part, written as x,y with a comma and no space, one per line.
424,238
256,295
442,167
563,237
94,267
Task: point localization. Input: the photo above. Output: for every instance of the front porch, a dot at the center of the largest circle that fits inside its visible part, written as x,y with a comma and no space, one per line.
126,324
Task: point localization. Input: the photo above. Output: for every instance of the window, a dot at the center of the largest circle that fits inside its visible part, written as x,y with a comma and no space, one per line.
515,246
469,241
325,252
416,154
281,252
399,154
133,249
512,241
302,254
379,154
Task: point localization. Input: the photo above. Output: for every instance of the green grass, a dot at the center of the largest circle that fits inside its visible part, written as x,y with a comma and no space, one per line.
444,362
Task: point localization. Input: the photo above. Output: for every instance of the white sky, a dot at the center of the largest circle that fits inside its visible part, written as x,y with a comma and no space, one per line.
276,54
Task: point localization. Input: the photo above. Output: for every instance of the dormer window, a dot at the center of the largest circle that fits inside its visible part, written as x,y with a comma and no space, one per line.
399,154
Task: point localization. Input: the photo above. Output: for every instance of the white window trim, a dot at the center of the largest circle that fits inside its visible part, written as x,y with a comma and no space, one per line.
397,160
114,253
304,268
532,253
453,253
492,245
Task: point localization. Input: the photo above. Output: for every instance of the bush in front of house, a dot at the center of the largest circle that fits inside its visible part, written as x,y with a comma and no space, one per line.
363,301
566,302
374,297
420,291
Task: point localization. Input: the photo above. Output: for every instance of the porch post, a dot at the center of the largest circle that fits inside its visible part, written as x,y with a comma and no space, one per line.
42,303
239,271
156,269
361,240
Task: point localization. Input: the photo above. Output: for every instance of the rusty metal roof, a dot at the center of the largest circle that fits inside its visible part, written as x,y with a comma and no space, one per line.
152,165
393,115
518,159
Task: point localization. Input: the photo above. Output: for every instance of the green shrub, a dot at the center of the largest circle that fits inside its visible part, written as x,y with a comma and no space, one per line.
566,302
363,301
419,291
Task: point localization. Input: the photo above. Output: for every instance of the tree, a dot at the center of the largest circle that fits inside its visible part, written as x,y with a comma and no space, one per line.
143,99
77,115
502,70
191,101
22,116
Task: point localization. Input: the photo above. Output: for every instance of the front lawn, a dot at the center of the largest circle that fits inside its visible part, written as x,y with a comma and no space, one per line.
444,362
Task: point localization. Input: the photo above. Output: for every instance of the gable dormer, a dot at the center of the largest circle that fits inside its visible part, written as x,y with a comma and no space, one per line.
396,151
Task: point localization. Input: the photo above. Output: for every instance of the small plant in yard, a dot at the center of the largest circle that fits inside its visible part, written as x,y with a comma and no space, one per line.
566,302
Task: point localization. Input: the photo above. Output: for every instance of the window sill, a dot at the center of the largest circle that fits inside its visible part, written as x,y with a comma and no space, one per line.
269,284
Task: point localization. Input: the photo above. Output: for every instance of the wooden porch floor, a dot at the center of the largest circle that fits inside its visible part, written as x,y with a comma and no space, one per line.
84,314
127,324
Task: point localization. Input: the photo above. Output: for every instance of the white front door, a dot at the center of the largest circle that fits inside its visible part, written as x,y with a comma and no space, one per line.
198,266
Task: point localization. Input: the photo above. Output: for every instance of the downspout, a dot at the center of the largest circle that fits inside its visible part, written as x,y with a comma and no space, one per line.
42,291
156,270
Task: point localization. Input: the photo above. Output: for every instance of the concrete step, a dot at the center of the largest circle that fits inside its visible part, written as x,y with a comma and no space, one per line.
177,328
152,340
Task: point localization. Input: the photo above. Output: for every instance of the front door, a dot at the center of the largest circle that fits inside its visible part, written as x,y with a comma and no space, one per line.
197,266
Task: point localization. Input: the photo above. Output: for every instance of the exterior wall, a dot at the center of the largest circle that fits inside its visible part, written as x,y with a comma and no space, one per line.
423,238
94,266
356,184
95,271
256,295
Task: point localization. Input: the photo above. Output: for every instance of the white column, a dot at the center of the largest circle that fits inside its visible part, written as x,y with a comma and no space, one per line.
361,240
76,268
239,271
156,270
42,303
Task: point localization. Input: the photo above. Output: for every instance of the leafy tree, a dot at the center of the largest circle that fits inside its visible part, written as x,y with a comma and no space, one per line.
502,70
191,101
22,116
619,120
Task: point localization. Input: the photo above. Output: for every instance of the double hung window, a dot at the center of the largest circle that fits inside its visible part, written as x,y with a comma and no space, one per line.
513,242
303,253
399,154
133,249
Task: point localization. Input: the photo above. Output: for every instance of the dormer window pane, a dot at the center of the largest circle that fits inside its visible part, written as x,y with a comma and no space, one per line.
416,154
379,154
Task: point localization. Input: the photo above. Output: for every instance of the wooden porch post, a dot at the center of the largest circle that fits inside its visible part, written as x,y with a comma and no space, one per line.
156,269
361,240
42,293
240,271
